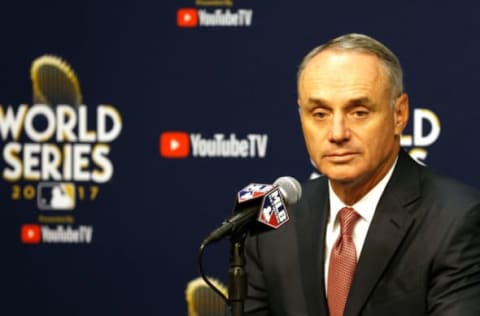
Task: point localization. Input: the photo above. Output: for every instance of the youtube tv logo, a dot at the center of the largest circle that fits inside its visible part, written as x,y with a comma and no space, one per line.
174,144
30,234
187,17
214,17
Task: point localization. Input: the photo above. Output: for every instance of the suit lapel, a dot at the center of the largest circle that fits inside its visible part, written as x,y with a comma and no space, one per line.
311,221
388,228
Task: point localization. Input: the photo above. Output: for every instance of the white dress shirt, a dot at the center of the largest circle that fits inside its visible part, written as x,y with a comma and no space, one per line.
365,207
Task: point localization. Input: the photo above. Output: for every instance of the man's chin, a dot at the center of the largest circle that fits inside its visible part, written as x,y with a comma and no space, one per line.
342,180
341,176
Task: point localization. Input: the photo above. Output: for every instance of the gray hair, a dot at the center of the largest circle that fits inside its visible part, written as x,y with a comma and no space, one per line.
362,44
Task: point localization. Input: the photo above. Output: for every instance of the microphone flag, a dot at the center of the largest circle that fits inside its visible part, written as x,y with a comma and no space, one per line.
273,211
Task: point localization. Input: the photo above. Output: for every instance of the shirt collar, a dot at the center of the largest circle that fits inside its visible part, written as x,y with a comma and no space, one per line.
366,206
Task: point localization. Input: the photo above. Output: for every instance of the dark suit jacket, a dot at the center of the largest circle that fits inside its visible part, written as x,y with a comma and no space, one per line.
421,255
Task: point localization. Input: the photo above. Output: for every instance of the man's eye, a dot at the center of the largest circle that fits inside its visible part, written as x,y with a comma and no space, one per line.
319,115
360,113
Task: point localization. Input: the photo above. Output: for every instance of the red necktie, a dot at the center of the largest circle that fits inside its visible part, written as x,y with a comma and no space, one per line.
343,261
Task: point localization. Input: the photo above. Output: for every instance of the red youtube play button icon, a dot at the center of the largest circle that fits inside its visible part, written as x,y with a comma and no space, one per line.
174,144
31,234
187,17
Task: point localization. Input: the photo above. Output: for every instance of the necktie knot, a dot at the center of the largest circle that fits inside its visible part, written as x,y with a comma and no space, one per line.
348,218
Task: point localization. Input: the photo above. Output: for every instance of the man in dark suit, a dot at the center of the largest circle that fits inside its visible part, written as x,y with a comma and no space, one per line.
377,234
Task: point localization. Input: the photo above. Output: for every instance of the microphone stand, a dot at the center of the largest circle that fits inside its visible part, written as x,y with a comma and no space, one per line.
237,287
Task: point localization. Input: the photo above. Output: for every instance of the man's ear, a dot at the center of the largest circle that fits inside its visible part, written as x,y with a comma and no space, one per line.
401,113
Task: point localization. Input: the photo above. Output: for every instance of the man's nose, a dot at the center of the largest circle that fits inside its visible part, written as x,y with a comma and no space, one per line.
339,131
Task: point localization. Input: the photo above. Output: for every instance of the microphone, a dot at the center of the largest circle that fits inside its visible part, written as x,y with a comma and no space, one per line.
262,202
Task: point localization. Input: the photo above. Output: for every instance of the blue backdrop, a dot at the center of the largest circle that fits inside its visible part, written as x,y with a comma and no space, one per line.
166,69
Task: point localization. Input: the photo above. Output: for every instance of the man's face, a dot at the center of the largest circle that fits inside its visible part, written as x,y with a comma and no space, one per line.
350,128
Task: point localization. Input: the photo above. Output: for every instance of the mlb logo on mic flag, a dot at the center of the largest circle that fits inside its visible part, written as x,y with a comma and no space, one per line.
273,212
253,191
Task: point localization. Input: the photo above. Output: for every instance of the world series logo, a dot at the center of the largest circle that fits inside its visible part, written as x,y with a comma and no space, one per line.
56,152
